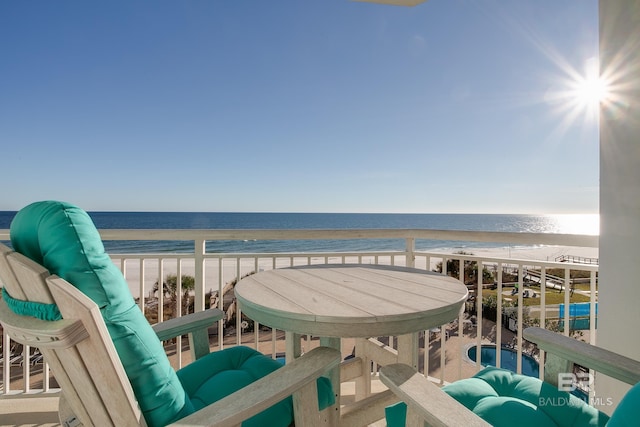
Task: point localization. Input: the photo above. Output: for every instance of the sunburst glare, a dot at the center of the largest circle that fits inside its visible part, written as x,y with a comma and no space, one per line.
588,91
574,87
578,95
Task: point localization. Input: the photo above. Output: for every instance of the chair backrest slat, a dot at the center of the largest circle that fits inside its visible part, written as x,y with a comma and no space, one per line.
109,377
30,277
70,393
8,279
84,362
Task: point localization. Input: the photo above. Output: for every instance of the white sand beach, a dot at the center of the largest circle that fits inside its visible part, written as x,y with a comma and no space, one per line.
542,253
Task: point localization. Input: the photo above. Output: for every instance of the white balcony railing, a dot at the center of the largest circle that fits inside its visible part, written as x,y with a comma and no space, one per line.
443,352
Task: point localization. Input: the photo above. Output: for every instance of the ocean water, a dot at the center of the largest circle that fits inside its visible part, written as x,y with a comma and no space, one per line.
571,224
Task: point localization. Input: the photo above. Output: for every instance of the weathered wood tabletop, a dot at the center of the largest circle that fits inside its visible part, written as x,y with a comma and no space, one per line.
350,300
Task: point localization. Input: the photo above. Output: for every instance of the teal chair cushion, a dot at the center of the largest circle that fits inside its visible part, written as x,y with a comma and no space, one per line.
505,399
627,412
396,415
63,238
502,397
221,373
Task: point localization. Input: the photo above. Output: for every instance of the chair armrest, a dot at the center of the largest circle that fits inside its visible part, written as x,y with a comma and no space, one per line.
185,324
41,333
261,394
587,355
425,399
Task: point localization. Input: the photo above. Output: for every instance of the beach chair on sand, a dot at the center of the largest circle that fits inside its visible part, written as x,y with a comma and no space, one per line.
107,379
501,398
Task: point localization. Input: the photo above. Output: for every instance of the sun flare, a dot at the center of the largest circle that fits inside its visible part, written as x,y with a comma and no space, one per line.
577,96
590,90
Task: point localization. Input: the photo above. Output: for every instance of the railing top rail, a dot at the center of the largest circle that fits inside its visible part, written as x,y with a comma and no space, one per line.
537,263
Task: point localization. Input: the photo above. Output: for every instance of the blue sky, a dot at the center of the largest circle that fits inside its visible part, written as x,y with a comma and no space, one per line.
302,106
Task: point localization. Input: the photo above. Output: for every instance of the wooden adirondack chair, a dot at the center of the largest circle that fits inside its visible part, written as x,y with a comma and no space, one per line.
428,404
95,388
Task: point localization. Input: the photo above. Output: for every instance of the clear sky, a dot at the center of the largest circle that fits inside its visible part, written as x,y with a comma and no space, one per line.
299,105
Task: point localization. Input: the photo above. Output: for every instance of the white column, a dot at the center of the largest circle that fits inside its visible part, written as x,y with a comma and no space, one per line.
619,276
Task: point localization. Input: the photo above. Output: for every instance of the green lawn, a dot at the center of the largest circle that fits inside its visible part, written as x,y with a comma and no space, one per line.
551,297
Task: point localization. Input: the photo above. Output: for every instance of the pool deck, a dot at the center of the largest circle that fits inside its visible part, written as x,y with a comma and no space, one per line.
458,364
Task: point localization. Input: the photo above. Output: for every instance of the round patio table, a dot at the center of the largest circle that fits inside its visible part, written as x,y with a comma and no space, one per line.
350,300
334,301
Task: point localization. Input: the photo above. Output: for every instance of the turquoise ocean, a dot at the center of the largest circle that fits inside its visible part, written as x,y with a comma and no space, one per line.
568,223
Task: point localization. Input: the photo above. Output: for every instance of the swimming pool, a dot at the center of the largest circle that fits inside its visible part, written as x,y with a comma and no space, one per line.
508,359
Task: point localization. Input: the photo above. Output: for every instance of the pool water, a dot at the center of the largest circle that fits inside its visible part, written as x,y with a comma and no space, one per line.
508,359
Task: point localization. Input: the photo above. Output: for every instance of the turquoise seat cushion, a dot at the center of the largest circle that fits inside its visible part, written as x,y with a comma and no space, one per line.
502,397
223,372
63,238
627,412
396,415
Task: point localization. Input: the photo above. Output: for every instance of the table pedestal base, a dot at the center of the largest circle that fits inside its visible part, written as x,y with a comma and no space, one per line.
367,407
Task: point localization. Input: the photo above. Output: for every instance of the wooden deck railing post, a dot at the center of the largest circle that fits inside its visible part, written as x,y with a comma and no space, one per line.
410,248
199,250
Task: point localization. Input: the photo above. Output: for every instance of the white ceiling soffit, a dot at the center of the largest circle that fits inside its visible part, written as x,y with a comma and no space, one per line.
395,2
